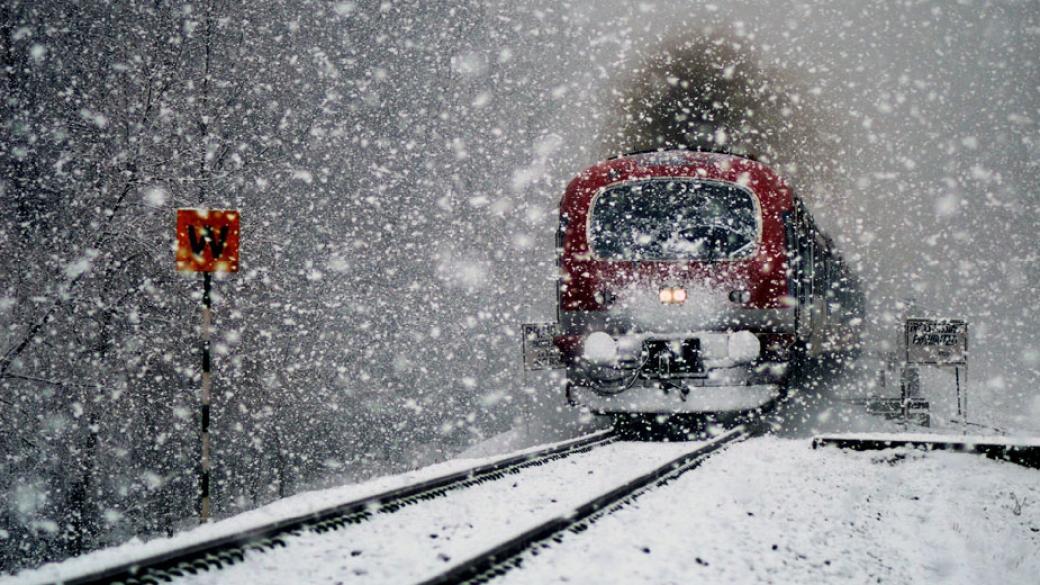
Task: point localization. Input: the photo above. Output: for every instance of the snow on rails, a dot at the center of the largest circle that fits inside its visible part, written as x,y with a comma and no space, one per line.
229,549
414,532
411,534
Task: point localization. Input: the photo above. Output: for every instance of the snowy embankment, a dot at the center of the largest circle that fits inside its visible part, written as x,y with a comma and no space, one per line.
777,511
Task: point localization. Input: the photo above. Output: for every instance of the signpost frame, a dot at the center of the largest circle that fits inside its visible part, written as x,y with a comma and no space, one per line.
207,242
539,351
940,343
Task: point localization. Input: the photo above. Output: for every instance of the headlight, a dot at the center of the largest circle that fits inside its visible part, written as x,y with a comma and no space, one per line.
672,295
744,346
600,349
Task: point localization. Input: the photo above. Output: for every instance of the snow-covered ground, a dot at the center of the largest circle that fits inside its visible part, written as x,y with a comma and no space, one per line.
768,510
773,510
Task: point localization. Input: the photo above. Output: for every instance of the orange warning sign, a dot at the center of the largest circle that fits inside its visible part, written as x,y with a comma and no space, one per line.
207,240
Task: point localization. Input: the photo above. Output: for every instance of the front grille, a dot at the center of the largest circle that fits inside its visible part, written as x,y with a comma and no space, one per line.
677,358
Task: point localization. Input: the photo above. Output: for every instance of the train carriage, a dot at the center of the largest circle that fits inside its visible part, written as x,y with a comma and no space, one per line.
693,282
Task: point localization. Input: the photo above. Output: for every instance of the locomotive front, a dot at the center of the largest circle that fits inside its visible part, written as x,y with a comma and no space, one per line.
674,295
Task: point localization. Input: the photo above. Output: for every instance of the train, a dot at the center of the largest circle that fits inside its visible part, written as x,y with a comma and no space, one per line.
693,282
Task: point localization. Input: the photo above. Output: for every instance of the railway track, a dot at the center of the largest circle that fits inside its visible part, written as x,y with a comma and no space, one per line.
228,550
657,464
510,554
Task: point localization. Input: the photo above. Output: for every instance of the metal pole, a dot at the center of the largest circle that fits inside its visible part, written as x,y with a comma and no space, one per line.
903,388
207,316
957,378
965,392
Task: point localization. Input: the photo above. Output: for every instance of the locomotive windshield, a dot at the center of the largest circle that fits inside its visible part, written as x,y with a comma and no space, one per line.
673,219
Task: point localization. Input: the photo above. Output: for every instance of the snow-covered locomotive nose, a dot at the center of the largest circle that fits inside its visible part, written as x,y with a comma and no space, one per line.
639,307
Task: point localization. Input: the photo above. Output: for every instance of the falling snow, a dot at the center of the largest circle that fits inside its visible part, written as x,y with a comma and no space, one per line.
398,167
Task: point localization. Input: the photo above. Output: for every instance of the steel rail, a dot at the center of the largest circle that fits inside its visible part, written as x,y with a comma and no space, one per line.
498,560
227,550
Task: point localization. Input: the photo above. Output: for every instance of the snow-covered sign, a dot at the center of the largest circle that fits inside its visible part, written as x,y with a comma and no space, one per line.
207,240
937,342
540,353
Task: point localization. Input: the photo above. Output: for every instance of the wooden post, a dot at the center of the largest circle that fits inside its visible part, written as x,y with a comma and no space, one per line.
207,380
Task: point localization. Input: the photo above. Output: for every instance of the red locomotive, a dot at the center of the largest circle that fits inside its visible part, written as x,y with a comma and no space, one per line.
692,282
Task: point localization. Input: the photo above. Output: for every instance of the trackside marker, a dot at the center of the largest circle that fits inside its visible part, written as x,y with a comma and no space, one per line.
207,241
1024,451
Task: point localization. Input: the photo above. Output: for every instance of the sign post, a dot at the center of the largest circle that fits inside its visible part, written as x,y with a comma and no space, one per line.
207,242
942,343
539,351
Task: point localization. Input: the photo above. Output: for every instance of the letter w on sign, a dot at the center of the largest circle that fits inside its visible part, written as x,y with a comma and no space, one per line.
207,240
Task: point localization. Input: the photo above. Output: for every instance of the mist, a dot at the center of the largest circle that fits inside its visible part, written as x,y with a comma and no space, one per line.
398,167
